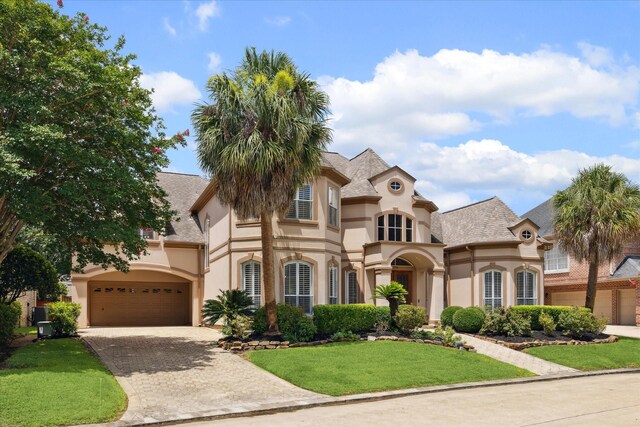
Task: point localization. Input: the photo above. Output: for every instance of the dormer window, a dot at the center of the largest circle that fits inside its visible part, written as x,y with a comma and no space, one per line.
302,206
526,235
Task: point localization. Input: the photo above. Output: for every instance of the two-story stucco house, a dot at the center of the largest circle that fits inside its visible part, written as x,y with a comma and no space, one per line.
359,224
566,279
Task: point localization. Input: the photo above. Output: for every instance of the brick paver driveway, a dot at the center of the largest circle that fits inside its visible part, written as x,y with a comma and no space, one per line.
173,373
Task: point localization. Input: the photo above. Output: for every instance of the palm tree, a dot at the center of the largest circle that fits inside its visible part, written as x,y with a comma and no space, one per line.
260,138
594,217
394,293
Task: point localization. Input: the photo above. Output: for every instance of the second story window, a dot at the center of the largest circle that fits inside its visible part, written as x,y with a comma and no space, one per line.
381,227
395,228
207,224
333,206
302,206
147,233
408,230
556,260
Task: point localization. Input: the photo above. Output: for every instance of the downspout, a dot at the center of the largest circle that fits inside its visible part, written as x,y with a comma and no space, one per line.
472,275
201,251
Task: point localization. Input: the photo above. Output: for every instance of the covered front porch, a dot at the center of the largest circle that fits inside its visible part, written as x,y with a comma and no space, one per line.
418,267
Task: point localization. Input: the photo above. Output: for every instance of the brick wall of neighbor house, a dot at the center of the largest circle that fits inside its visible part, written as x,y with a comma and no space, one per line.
638,305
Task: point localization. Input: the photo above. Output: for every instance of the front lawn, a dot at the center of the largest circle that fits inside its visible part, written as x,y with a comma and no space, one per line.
348,368
57,382
26,330
622,354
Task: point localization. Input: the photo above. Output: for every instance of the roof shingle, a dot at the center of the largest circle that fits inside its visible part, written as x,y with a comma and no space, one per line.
182,191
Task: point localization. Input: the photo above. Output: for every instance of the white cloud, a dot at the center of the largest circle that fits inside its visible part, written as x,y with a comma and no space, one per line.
214,61
451,175
414,98
168,27
206,11
597,56
277,21
170,89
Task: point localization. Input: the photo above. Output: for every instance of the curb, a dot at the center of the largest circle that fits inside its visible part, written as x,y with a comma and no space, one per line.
226,413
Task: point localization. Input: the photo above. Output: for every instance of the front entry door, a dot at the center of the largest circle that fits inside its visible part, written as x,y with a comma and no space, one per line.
404,278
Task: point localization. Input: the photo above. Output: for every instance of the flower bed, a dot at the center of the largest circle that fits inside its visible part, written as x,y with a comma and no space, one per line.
241,347
538,339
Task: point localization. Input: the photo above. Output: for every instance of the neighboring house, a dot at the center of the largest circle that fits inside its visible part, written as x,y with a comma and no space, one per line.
27,302
359,224
565,279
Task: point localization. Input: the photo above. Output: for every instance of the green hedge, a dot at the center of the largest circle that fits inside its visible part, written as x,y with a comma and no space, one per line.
9,317
64,318
294,325
332,318
533,311
446,318
468,320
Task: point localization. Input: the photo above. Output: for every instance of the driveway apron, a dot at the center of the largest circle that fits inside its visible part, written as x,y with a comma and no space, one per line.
172,373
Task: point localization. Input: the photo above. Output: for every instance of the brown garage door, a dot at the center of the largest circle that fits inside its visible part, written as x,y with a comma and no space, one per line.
627,307
139,304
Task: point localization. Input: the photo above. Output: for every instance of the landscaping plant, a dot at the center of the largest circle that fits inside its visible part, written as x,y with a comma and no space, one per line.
533,312
447,335
295,326
409,317
383,320
446,318
227,306
468,320
25,270
345,336
547,323
238,327
506,322
394,293
332,318
64,318
579,324
9,316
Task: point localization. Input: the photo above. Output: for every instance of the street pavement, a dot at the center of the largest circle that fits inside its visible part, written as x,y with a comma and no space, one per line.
604,400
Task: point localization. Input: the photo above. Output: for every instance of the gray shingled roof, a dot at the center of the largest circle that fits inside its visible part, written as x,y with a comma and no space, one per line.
436,227
628,268
542,215
182,191
485,221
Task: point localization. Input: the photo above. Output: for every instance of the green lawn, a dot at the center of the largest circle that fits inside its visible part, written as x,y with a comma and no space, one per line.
348,368
57,382
27,330
622,354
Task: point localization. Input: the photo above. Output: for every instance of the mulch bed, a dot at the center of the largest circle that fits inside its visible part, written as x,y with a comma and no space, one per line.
538,339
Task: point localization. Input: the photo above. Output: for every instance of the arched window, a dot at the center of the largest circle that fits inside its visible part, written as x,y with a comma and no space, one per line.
298,285
333,284
251,281
492,289
399,228
351,287
526,288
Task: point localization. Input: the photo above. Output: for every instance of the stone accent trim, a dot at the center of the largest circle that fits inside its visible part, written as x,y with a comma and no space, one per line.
519,346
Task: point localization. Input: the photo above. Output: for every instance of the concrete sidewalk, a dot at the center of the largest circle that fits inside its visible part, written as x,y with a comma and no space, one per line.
516,358
623,331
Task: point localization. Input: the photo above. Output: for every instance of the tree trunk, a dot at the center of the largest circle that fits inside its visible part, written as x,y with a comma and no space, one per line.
268,285
10,227
393,307
592,282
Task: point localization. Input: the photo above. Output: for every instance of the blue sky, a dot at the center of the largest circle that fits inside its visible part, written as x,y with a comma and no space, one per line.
474,99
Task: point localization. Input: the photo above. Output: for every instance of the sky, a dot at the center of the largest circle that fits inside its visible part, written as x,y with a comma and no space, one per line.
474,99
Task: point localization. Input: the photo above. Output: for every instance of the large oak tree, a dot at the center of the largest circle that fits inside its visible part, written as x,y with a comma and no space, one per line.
80,144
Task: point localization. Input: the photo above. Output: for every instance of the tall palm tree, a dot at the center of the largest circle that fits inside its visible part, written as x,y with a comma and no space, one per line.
594,217
260,138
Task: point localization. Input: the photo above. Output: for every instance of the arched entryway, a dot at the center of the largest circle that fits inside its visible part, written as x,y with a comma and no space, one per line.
402,271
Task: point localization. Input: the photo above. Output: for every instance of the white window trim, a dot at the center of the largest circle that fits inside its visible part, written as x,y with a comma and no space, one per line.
333,292
207,223
252,278
333,190
297,295
557,270
534,284
493,297
297,199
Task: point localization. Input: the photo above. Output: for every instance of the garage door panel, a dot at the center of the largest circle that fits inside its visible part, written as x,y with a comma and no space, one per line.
602,307
627,306
135,304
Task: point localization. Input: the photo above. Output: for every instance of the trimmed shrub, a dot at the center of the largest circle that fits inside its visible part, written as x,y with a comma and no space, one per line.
9,317
446,318
533,311
238,327
468,319
578,323
64,318
410,317
506,322
547,323
294,325
383,320
332,318
345,336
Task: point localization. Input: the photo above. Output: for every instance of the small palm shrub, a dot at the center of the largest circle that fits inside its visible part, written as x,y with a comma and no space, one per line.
468,320
64,318
446,318
506,322
294,325
9,316
394,292
579,324
547,323
409,317
229,306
